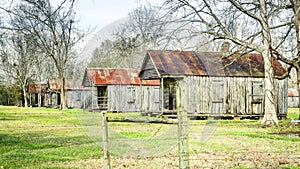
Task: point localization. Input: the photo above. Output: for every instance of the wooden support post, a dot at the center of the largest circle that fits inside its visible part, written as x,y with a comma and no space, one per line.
183,140
105,141
162,94
30,100
141,96
93,97
182,125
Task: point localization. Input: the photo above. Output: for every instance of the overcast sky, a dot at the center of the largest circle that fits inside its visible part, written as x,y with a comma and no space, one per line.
99,13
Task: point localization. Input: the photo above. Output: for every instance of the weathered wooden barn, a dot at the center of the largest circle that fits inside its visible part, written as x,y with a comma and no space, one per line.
74,93
53,93
214,84
34,90
120,90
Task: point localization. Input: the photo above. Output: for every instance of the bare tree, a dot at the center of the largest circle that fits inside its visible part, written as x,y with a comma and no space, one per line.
130,39
104,55
18,61
287,46
144,29
141,32
295,62
55,31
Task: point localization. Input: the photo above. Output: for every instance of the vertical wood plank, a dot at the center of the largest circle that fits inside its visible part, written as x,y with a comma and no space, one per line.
162,94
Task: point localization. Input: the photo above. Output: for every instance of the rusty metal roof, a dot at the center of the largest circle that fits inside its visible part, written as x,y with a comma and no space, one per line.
110,76
209,64
53,84
70,84
34,88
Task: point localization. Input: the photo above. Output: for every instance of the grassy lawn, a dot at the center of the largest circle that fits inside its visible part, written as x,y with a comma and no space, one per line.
49,138
42,138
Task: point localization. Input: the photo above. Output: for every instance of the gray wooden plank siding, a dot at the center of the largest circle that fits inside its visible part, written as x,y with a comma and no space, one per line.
149,71
123,98
282,95
127,98
231,95
151,99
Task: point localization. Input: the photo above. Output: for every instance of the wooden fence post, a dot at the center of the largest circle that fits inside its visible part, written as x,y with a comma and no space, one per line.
105,141
182,125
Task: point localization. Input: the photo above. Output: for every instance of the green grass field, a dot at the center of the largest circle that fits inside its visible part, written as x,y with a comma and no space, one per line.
50,138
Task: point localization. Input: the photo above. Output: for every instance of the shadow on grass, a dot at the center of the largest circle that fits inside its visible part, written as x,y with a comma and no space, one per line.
35,150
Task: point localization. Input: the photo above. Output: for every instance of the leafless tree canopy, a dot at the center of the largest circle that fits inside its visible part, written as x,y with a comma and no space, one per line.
265,26
146,28
52,27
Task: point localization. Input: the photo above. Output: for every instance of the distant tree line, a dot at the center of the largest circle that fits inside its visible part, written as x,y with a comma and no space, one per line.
10,95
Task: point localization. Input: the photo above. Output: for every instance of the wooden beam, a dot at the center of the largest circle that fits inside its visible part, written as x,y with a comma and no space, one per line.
141,120
106,154
183,141
162,93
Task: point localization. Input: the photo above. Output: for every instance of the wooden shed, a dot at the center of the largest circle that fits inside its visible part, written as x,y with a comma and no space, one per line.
214,84
74,92
120,90
34,90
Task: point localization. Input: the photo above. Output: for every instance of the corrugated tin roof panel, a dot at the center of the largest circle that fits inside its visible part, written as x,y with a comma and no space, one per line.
34,88
70,84
210,63
53,84
111,76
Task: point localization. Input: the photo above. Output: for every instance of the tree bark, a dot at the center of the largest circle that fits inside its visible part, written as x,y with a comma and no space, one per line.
297,28
270,116
62,93
25,97
298,88
40,95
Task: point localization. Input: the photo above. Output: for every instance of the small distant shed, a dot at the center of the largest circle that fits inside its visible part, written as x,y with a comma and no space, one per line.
120,90
34,90
73,90
216,85
53,95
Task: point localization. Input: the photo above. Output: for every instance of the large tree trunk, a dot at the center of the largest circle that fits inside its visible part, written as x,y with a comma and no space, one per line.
39,99
25,97
298,88
270,116
62,93
297,27
40,95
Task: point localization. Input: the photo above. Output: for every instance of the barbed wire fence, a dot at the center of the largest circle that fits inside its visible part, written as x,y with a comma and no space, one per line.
167,139
168,146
